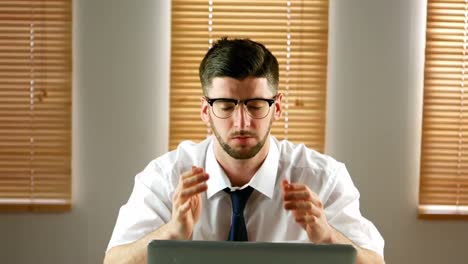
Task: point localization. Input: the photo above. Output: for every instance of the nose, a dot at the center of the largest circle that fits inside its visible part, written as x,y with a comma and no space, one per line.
241,117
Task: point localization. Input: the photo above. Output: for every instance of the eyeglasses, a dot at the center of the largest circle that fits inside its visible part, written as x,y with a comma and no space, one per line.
257,108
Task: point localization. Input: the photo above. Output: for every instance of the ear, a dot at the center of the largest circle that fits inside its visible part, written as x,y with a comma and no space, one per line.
278,109
204,111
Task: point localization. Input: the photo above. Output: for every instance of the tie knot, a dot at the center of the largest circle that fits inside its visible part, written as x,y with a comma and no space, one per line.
239,199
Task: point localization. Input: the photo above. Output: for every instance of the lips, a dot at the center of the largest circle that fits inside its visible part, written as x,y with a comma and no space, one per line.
242,134
242,139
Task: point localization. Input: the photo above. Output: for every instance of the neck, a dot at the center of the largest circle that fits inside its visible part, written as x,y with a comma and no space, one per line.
240,171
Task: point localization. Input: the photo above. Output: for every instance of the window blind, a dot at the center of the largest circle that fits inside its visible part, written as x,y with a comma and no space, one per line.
443,191
35,105
302,60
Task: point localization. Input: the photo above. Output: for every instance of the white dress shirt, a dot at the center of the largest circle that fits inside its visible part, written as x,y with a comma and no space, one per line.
150,203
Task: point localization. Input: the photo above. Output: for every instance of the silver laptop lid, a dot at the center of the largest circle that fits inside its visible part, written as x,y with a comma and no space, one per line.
226,252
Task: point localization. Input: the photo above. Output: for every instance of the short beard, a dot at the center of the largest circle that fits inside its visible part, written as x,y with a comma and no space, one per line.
236,154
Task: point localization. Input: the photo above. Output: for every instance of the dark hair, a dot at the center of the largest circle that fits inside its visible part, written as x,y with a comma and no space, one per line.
239,59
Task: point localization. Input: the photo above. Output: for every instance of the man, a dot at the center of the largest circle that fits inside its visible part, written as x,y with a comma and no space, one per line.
293,193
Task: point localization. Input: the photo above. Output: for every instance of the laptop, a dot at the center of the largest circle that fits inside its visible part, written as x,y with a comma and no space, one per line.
227,252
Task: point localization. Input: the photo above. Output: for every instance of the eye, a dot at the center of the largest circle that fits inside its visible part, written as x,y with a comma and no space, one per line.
253,108
255,105
225,105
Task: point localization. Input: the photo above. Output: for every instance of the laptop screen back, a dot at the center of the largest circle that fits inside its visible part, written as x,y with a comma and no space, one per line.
224,252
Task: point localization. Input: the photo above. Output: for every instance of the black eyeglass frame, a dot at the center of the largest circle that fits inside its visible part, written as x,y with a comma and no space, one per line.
270,102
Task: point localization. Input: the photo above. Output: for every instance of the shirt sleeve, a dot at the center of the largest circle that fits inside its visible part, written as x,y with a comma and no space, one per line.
342,211
148,208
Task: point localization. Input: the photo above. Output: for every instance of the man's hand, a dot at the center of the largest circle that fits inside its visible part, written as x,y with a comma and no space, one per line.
186,210
308,211
187,205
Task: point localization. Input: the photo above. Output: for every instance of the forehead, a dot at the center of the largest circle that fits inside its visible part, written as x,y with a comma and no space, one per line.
250,87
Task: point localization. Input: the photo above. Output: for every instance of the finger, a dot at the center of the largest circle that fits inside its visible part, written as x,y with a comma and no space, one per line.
301,223
307,219
303,207
194,179
305,194
193,170
297,195
299,205
290,186
179,188
196,169
285,183
184,208
194,201
296,187
194,190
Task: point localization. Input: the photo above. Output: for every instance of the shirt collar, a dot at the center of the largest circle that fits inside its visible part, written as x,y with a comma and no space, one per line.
218,180
263,181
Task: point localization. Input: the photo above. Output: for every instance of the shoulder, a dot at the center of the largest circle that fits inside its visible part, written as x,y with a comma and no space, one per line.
300,156
187,152
170,165
301,164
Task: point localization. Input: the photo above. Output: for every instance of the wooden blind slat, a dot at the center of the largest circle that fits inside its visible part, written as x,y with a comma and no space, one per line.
265,22
35,105
444,149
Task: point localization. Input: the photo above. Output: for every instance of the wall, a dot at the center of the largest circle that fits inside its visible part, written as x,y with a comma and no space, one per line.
120,122
376,61
120,112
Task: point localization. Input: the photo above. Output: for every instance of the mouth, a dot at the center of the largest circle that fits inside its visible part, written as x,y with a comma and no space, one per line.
242,140
241,137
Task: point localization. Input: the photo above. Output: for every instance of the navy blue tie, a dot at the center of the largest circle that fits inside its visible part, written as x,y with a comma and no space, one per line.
238,231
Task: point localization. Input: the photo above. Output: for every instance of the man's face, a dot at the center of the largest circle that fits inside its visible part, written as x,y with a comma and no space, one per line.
240,135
